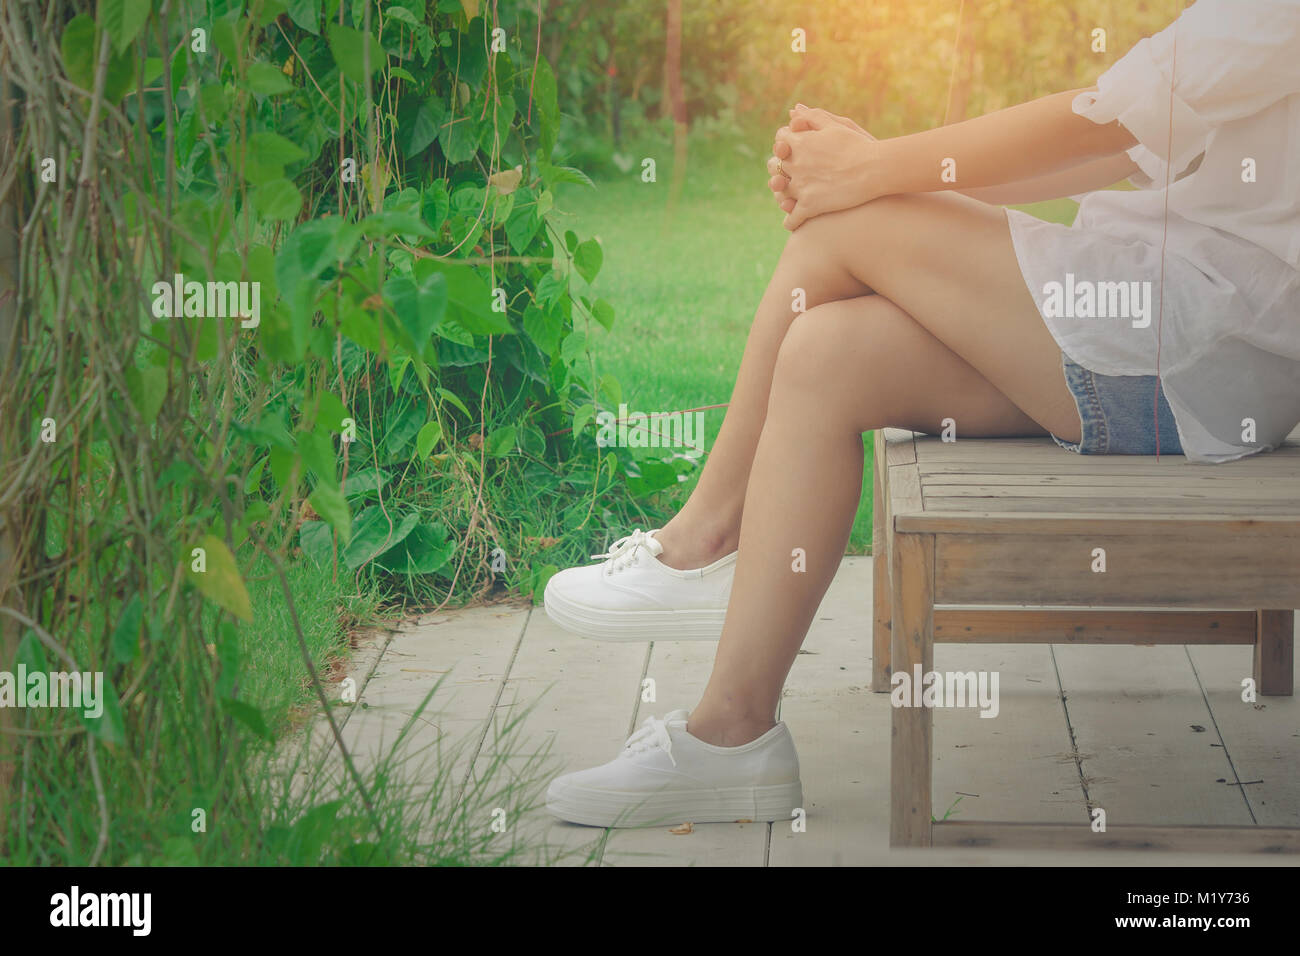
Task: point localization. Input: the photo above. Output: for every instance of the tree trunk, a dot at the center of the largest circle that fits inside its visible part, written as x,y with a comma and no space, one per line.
677,98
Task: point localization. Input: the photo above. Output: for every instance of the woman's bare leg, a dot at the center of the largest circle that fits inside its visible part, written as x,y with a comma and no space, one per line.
970,338
828,258
708,526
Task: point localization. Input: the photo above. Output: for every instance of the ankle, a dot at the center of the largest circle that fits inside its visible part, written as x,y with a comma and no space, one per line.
688,547
729,732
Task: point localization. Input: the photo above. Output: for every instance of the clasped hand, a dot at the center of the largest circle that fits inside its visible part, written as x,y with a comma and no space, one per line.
825,165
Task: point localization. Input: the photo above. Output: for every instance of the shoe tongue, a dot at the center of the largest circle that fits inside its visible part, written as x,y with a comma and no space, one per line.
652,543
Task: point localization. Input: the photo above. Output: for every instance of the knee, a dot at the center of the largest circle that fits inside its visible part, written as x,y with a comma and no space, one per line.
848,230
819,348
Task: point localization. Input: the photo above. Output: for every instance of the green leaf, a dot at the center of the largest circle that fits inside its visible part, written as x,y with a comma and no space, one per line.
123,20
330,504
424,126
611,389
424,551
318,454
126,636
277,199
532,441
551,288
311,247
398,72
544,327
228,659
587,259
554,175
306,13
393,223
522,225
215,104
427,438
79,46
248,715
454,400
468,297
274,150
221,583
541,576
582,417
377,533
331,411
109,726
31,653
317,541
348,47
227,38
434,204
458,138
546,107
418,307
147,388
501,442
366,481
574,347
267,80
603,313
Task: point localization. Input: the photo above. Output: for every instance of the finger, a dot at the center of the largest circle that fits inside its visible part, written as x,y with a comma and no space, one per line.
771,165
781,149
799,123
787,205
815,119
778,184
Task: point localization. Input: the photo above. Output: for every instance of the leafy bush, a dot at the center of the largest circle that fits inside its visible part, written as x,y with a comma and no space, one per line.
290,279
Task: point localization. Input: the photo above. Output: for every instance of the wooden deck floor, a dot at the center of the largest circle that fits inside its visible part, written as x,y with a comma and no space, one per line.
1151,734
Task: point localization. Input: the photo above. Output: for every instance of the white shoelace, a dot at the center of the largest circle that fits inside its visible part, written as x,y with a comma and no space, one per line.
622,553
653,735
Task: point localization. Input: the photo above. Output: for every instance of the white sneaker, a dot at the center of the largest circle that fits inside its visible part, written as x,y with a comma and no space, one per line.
666,776
633,596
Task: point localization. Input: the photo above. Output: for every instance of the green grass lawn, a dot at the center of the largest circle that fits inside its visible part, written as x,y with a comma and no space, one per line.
685,289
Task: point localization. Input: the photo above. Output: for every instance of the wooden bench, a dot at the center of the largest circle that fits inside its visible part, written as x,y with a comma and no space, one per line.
993,541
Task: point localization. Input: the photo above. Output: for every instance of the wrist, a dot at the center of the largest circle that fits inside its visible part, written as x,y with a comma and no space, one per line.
881,168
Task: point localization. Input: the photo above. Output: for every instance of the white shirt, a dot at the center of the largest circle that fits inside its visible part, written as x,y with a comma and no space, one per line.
1227,254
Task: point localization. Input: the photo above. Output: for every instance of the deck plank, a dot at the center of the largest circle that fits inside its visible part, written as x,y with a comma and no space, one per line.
1262,738
1135,713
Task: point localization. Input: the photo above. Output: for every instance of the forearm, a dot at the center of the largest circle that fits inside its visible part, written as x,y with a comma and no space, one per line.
1029,142
1083,178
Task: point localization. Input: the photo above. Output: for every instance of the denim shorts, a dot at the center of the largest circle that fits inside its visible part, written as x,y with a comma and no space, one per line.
1118,414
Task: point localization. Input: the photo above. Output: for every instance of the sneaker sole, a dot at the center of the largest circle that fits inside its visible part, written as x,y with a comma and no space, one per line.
601,808
602,625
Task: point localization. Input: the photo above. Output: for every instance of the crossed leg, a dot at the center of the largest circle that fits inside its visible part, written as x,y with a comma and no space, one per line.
918,313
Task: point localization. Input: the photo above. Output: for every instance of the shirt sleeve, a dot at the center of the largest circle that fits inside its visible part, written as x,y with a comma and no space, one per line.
1221,60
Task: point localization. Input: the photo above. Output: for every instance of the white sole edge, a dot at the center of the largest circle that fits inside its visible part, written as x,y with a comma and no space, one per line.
690,625
767,804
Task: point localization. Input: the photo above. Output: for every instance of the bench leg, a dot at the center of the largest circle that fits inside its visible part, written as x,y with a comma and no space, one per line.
880,627
881,597
912,737
1274,647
